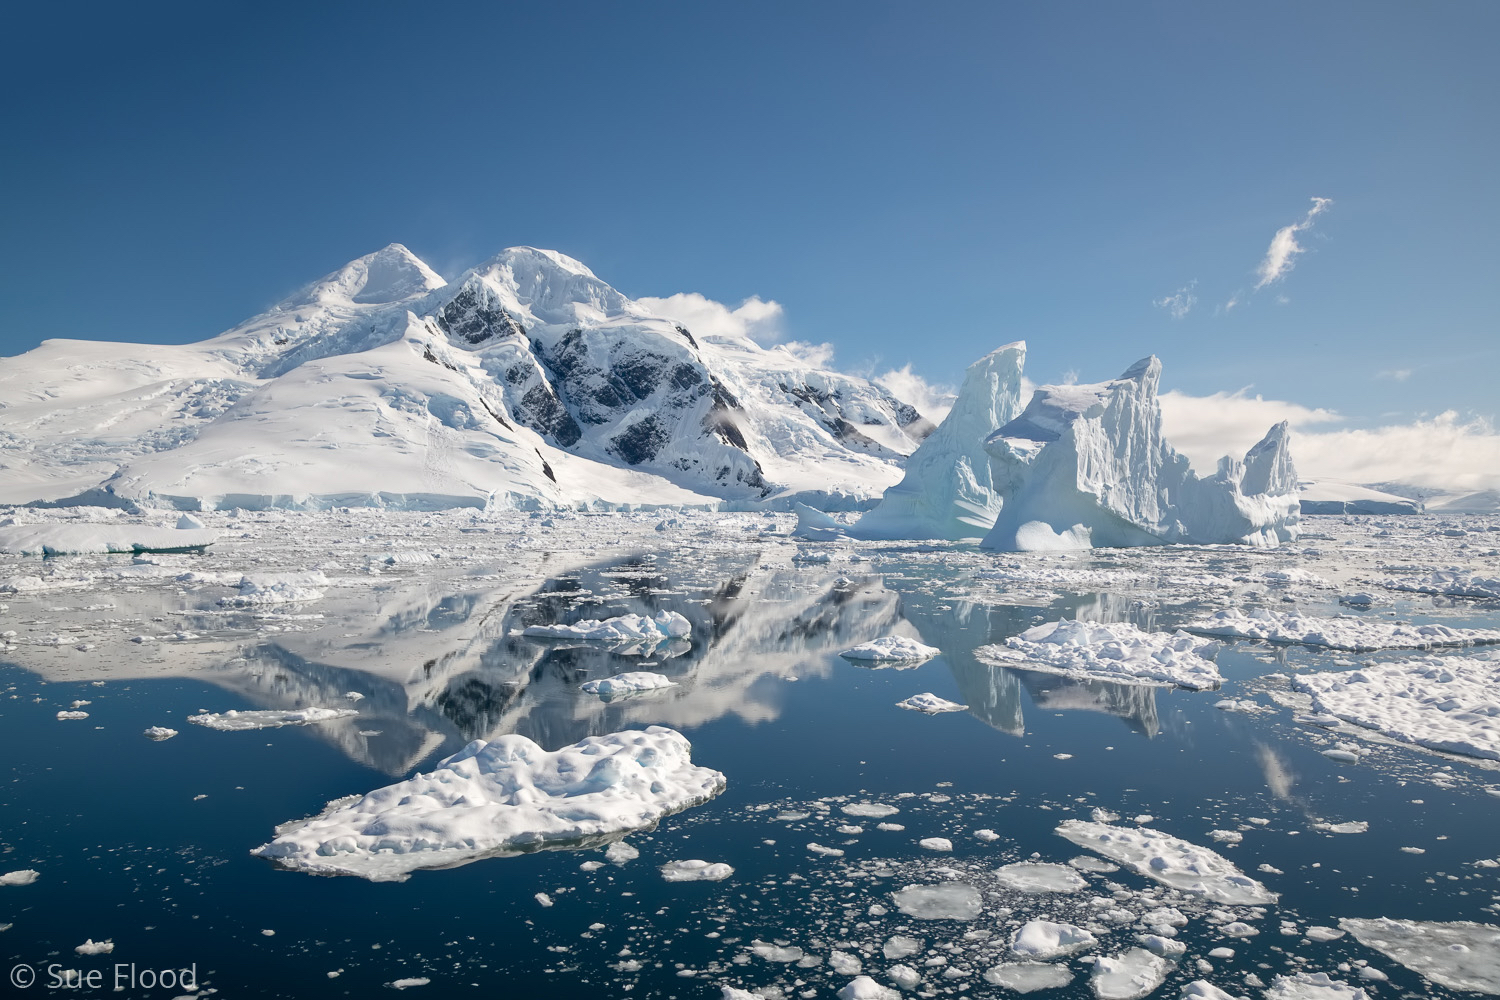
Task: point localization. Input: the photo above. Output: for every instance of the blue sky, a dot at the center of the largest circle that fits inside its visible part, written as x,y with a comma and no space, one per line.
912,183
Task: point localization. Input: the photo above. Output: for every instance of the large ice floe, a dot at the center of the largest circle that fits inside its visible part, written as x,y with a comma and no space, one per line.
1450,703
53,539
948,490
1313,986
497,798
1128,976
1185,867
1453,582
891,649
624,629
235,721
1087,465
1111,651
1459,955
1353,633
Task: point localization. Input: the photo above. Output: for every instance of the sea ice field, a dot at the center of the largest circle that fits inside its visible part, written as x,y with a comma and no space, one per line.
666,755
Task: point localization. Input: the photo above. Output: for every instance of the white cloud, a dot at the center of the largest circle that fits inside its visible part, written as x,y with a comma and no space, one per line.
1447,451
931,400
1281,256
1181,302
1395,374
816,355
755,318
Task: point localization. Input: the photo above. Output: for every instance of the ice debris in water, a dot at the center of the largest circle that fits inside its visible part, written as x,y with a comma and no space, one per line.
1351,633
626,628
695,871
1176,863
930,704
501,797
1046,939
1111,651
629,683
235,721
893,648
1459,954
1034,876
944,901
1441,703
1129,976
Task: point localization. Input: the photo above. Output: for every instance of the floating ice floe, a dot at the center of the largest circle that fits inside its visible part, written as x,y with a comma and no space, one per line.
1448,583
1446,703
25,876
1356,634
893,648
71,716
625,629
620,852
92,947
1113,651
940,844
77,539
1043,940
632,682
235,721
1129,976
1459,955
277,588
930,704
507,796
1186,867
695,871
409,982
865,988
1202,989
1028,977
1036,876
159,733
944,901
1353,826
868,810
1313,986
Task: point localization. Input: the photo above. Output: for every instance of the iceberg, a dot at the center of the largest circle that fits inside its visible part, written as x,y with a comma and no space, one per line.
1087,465
894,648
623,685
503,797
949,490
233,721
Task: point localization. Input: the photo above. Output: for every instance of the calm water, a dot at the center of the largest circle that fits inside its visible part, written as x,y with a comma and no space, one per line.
147,844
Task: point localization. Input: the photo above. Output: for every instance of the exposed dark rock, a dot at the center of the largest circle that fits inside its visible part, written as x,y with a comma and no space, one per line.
468,317
641,441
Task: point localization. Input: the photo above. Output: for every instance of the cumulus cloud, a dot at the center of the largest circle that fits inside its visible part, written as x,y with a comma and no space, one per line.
817,355
755,318
1180,303
1281,257
1448,451
932,400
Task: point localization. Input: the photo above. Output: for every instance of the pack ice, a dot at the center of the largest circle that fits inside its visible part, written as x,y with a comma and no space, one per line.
1176,863
1088,465
1442,703
1353,633
1460,955
502,797
1111,651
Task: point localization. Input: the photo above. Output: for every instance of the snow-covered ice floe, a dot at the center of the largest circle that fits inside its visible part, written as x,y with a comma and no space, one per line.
1039,876
1448,703
507,796
55,539
1459,955
695,871
626,628
1448,583
1313,986
944,901
159,733
892,648
277,588
1129,976
930,704
1353,633
1046,939
1028,977
1202,989
25,876
632,682
234,721
1185,867
1114,651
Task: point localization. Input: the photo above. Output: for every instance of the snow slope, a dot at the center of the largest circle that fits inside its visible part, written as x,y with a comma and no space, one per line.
1087,465
1346,498
526,382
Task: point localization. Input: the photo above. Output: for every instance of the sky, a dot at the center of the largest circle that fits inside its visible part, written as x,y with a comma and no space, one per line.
1289,201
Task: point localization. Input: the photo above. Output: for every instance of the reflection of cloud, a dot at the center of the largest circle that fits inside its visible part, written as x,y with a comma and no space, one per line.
1279,776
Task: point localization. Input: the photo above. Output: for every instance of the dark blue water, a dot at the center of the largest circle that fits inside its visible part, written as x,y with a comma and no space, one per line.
128,851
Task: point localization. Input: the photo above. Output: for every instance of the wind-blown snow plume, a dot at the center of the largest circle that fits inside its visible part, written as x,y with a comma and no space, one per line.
931,399
754,318
1281,256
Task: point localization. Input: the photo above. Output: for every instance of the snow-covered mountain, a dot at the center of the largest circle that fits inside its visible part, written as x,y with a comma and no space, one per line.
526,381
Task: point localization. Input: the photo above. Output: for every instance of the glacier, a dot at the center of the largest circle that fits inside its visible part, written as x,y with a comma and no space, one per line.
1084,466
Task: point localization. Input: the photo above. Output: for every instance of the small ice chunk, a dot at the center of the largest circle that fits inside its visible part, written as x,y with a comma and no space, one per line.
159,733
941,844
865,988
67,716
1028,977
943,901
1134,974
1037,876
831,852
543,898
626,684
1238,929
1227,836
776,953
233,721
930,704
406,984
92,947
1319,933
1043,940
904,976
845,964
1343,756
868,810
25,876
620,852
893,648
695,871
1157,944
986,835
901,946
1354,826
